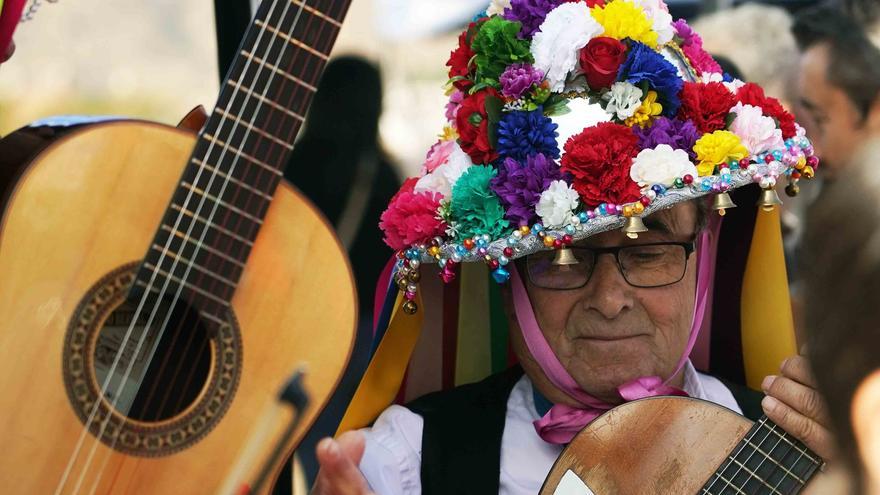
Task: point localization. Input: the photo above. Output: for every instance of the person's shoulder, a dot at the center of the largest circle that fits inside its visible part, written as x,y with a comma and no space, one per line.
492,389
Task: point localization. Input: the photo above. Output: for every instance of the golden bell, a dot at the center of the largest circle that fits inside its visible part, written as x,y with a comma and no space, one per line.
769,199
722,202
634,225
564,257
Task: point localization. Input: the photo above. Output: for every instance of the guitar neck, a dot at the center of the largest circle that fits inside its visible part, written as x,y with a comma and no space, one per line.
225,191
766,460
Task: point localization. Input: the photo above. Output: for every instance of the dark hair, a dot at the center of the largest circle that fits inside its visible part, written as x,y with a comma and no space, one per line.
842,276
854,62
866,12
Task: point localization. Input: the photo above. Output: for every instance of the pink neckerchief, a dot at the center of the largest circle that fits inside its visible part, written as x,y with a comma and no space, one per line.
563,422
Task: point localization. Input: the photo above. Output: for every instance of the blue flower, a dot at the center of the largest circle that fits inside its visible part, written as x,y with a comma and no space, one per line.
643,64
523,134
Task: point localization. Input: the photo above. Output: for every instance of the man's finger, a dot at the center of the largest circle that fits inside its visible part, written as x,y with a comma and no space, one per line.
799,397
798,368
811,433
339,474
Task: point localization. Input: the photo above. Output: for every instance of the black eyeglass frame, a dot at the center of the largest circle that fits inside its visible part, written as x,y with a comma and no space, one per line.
689,248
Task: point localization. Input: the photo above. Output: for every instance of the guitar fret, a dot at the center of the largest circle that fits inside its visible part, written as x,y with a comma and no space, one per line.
225,176
185,284
754,476
189,263
281,72
803,452
219,304
210,224
162,251
265,100
317,13
244,155
727,484
225,204
251,127
780,466
290,40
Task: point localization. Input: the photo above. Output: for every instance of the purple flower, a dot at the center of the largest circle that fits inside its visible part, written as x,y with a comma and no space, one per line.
530,13
522,134
679,134
685,32
519,186
517,79
454,102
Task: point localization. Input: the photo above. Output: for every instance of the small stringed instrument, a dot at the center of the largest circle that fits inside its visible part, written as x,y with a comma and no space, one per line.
675,445
157,286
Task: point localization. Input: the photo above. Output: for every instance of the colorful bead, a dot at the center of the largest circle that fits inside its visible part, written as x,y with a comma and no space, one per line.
410,307
584,217
500,275
524,230
493,264
548,240
678,183
508,252
627,211
567,239
557,243
638,208
808,172
468,244
503,260
688,179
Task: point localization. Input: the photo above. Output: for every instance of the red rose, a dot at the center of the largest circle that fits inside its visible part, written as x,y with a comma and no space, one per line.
600,60
460,58
706,105
472,123
752,94
599,160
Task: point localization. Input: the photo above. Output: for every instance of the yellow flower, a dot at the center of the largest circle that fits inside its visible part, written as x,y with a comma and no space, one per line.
449,133
646,113
717,148
622,19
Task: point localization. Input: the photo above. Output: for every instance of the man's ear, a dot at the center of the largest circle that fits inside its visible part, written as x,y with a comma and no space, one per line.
865,415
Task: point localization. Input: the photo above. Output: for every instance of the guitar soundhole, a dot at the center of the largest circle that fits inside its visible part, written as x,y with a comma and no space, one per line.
188,384
162,387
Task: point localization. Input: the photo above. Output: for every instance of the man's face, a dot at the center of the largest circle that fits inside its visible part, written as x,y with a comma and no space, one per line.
833,123
609,332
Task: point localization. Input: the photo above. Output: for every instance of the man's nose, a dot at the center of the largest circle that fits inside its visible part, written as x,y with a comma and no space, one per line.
608,292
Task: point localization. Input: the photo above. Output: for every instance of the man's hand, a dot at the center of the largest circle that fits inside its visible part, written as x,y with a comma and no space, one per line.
9,51
794,404
339,459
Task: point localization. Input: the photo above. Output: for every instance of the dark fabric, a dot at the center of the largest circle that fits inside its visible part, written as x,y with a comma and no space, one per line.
747,399
231,18
461,440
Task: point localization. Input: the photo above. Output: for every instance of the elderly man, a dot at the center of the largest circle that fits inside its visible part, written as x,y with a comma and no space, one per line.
566,121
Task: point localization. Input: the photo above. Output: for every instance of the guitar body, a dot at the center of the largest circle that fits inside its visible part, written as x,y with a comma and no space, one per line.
76,226
659,445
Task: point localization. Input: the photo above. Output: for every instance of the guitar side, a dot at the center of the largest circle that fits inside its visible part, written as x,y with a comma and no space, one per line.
91,204
652,446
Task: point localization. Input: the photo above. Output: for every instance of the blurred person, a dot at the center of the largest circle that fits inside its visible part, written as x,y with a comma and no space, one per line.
339,164
844,337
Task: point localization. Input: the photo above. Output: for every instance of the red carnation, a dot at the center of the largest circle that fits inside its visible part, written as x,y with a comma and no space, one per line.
411,218
600,60
472,123
460,58
706,105
599,159
752,94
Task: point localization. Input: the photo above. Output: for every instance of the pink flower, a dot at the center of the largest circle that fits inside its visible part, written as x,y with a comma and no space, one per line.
437,155
756,131
411,217
454,102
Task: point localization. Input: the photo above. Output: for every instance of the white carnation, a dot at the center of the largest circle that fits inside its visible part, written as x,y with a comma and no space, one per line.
556,204
496,7
444,176
757,132
623,100
661,165
555,47
734,85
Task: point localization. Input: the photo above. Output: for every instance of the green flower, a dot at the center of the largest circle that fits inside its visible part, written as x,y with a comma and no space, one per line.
496,46
476,210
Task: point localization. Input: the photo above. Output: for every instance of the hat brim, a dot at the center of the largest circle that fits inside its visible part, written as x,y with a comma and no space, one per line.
10,15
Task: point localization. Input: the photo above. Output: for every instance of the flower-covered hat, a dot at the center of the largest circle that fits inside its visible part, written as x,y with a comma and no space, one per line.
570,118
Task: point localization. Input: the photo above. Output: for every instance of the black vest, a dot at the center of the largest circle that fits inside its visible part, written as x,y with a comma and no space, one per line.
461,439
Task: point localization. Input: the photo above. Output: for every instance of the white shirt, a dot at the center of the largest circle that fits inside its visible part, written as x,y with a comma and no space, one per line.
392,459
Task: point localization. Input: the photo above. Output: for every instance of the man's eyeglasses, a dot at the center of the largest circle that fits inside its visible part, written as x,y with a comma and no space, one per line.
645,265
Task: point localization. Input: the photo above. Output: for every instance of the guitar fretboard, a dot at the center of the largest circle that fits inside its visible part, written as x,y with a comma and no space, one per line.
766,461
216,212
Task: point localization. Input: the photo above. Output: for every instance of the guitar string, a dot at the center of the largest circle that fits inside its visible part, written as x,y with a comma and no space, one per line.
755,449
291,135
236,156
794,464
742,445
135,318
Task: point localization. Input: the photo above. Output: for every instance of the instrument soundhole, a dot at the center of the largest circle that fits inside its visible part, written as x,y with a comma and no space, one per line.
164,365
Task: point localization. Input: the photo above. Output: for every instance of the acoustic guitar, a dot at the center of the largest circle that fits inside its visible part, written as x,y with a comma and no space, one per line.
675,445
156,287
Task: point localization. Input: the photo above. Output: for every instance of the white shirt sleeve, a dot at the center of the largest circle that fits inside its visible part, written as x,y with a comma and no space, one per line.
393,456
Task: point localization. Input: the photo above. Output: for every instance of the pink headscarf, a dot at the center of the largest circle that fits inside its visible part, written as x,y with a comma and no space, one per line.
9,18
563,422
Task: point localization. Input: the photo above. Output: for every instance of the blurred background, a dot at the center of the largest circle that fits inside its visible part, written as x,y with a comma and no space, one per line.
156,60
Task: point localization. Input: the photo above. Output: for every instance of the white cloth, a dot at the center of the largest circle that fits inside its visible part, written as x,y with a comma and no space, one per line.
392,459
